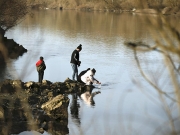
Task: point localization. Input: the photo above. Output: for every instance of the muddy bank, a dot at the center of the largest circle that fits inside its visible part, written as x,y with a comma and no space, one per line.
31,105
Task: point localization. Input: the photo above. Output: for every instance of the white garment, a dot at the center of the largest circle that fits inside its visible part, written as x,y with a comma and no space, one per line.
88,78
87,97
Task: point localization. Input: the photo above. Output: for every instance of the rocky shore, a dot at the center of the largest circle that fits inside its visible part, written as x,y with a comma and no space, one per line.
9,48
26,106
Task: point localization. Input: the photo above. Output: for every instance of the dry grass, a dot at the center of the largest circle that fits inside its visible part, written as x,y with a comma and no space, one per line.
107,4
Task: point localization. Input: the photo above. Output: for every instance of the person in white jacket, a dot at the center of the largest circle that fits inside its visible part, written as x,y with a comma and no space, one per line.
88,77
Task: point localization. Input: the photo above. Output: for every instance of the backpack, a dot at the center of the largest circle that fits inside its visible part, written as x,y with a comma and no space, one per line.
41,67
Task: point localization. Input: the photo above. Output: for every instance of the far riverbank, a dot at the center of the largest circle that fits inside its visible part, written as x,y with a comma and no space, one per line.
147,8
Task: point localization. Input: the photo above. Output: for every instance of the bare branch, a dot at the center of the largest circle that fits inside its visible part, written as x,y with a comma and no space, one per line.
151,83
12,12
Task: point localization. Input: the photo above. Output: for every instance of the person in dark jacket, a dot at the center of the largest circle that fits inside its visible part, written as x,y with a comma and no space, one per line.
75,62
82,73
40,66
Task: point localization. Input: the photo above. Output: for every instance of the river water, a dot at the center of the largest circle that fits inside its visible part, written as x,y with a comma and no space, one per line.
127,104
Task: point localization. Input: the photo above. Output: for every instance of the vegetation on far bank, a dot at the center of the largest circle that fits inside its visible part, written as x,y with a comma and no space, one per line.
108,5
12,12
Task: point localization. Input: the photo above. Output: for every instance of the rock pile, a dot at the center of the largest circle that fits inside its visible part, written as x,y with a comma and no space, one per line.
35,106
9,48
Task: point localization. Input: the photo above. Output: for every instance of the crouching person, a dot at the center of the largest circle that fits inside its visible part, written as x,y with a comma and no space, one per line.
88,77
81,74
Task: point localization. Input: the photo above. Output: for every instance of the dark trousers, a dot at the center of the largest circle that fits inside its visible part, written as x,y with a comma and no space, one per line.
79,76
41,75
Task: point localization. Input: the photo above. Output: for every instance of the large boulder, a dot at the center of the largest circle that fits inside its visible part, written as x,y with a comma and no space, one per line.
57,107
7,87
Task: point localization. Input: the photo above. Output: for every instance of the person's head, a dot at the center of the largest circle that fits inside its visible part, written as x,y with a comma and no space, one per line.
79,48
41,58
93,70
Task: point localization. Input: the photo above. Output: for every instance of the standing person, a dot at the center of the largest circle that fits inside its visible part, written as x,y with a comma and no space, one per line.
88,77
82,73
40,66
75,62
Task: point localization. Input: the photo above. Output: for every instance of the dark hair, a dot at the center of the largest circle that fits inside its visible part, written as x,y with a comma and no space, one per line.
41,58
93,70
79,47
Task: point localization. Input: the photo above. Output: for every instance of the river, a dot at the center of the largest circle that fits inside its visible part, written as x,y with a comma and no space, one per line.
127,104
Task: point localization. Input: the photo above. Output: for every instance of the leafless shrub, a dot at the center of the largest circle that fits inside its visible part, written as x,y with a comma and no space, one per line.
174,3
11,12
167,43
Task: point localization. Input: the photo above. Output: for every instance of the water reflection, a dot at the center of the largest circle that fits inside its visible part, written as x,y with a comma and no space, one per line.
74,108
88,97
33,133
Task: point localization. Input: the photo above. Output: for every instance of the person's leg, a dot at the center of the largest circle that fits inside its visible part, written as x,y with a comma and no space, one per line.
79,78
88,82
82,82
39,78
41,74
74,70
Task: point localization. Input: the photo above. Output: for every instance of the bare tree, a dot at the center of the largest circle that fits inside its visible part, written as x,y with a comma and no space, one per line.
12,12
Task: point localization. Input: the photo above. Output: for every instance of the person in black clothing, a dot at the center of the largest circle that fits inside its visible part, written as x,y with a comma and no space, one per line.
75,62
82,73
40,66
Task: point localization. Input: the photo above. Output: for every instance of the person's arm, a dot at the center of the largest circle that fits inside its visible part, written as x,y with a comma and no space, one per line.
96,81
75,58
44,65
